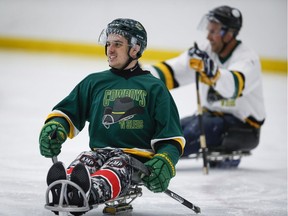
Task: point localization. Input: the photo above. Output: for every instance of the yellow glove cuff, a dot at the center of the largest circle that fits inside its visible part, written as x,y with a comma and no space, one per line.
209,81
167,158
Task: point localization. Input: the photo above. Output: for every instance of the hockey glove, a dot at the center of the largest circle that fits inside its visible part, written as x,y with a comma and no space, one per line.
204,65
162,170
51,138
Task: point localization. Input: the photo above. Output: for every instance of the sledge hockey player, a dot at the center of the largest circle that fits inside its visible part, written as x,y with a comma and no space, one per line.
230,86
131,114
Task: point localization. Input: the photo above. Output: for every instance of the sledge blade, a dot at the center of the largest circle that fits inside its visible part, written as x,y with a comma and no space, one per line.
218,156
117,209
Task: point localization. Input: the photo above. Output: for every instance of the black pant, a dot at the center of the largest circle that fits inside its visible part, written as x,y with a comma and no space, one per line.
222,132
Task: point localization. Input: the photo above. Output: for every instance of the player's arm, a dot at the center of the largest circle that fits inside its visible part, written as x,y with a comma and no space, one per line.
174,72
168,143
229,83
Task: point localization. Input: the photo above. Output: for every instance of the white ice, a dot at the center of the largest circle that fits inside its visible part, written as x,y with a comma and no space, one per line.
32,83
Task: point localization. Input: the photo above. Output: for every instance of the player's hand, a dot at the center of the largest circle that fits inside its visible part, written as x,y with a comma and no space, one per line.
162,170
51,137
204,65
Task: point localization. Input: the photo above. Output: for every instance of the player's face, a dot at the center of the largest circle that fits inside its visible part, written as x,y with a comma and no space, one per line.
117,50
214,36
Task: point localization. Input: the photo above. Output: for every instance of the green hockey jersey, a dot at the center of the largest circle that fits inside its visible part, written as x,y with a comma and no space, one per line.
131,110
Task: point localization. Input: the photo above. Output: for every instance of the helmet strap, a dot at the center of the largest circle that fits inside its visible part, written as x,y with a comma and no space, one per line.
227,47
223,32
130,59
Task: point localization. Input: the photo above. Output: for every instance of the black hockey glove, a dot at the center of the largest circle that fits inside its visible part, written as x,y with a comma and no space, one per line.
51,138
204,65
162,170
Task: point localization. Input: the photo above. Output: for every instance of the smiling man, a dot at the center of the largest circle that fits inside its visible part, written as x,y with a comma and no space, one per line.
131,114
230,88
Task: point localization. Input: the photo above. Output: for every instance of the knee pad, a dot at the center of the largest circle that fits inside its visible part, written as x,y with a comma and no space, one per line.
119,162
90,159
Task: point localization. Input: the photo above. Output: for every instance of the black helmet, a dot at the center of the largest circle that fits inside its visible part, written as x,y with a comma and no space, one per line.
229,17
131,29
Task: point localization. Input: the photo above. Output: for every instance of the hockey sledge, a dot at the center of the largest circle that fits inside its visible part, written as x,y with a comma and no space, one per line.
116,206
220,159
112,207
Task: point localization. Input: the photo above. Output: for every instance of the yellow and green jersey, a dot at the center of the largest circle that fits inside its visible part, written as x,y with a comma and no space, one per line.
131,110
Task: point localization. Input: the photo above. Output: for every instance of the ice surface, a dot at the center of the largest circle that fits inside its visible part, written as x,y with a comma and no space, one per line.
32,83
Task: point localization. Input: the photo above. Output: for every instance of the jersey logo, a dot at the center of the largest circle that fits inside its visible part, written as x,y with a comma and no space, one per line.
213,96
123,109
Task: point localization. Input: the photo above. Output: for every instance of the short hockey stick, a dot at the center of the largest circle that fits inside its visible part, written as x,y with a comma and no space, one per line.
54,159
51,136
200,112
142,168
202,135
183,201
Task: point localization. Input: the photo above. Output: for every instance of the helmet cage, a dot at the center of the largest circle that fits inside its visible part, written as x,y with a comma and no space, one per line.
132,41
132,30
